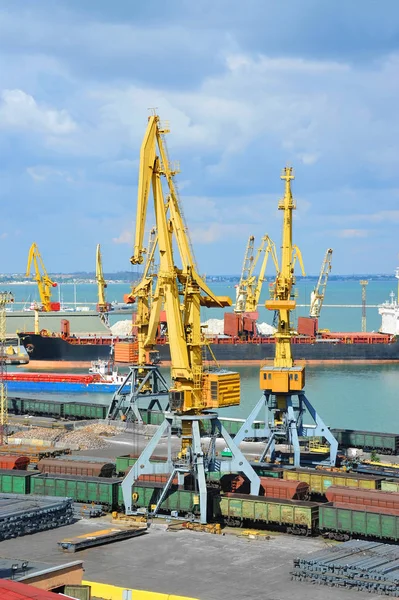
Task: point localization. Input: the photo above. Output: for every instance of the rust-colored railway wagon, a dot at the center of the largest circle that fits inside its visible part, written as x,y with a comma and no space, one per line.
367,498
19,463
74,467
270,487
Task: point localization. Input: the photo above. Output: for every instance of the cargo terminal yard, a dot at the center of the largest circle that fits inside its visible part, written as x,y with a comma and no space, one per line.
212,507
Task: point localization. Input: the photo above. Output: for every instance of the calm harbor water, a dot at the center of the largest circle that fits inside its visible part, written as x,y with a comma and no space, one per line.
351,396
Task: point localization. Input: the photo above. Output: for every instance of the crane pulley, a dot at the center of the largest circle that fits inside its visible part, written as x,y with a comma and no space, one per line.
250,286
317,295
44,282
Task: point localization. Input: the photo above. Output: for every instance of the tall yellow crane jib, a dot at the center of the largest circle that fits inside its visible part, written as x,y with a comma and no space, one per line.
180,290
317,295
284,376
44,282
147,159
102,305
246,272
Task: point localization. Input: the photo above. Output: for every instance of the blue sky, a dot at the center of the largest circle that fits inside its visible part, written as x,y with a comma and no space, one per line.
247,88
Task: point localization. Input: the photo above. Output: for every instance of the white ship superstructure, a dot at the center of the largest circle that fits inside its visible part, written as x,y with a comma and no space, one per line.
389,312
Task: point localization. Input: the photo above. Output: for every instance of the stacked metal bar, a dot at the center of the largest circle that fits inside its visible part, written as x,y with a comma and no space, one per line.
364,566
23,515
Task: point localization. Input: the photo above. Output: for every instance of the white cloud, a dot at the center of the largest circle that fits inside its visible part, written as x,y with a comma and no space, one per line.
40,174
353,233
212,232
19,110
125,237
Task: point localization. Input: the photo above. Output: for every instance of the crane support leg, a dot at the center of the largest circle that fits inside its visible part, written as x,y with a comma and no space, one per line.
200,471
144,388
293,432
320,430
246,431
143,465
195,461
289,428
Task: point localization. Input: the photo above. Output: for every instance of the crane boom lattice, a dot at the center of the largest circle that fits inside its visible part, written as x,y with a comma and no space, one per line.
5,298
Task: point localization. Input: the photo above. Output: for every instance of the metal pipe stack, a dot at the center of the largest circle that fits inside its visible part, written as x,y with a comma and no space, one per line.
21,516
360,565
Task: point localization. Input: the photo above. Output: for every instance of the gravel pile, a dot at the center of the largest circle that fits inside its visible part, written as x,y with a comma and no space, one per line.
90,437
213,327
122,328
265,329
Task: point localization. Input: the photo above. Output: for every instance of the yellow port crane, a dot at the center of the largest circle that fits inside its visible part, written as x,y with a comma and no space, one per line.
102,305
5,298
317,295
44,282
250,287
283,402
195,391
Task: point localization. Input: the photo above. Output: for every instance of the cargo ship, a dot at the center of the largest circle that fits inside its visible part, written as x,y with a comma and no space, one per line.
240,343
102,378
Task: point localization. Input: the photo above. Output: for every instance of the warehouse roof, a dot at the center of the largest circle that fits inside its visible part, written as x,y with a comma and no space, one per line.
13,590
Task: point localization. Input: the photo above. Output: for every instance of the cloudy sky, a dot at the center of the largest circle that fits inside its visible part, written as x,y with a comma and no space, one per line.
247,88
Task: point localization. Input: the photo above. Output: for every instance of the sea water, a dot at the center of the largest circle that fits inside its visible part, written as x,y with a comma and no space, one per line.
349,396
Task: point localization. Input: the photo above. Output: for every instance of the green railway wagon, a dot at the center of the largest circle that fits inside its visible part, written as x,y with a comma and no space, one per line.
100,490
15,482
125,462
390,485
343,522
15,406
319,481
385,443
146,494
48,408
293,516
82,410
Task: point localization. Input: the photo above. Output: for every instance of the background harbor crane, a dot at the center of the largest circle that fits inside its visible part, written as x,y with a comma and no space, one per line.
102,305
250,286
317,295
283,402
44,282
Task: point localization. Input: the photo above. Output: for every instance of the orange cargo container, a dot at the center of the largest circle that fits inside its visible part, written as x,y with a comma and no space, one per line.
126,352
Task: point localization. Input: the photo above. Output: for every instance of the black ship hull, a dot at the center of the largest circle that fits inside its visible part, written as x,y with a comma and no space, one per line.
316,352
51,348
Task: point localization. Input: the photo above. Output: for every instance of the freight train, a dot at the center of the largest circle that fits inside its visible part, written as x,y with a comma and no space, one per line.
335,521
